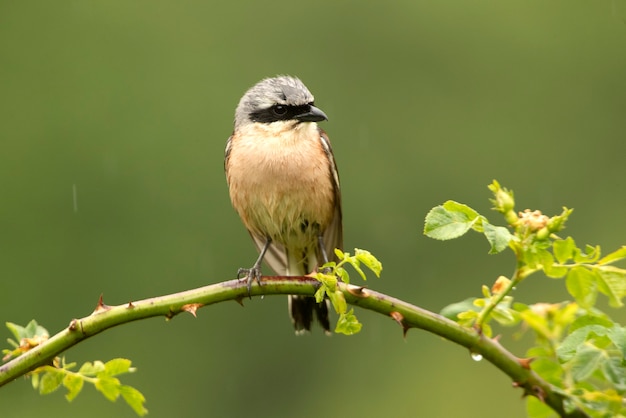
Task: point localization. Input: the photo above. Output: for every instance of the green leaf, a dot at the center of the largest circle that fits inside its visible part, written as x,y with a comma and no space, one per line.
51,380
612,282
117,366
31,330
369,260
504,315
35,380
340,254
546,367
320,293
68,366
74,384
91,369
617,335
554,272
563,249
453,310
536,257
486,330
343,275
586,361
328,280
468,315
449,221
589,319
581,284
356,264
338,301
109,387
614,256
348,324
591,254
498,237
134,399
453,206
537,322
614,373
481,303
570,345
17,330
544,259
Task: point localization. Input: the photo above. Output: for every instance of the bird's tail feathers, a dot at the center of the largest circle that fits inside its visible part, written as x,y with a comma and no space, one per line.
303,308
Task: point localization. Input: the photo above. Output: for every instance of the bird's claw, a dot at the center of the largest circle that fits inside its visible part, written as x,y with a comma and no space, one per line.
251,275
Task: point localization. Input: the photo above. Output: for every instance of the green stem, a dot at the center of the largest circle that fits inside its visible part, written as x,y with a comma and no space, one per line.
409,316
518,276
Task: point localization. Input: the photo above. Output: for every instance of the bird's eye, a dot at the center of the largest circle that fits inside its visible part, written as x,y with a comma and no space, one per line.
279,109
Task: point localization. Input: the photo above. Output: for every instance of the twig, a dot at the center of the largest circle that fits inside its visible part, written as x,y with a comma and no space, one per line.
405,314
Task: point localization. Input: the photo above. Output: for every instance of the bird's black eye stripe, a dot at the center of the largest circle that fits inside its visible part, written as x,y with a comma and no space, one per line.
279,109
279,112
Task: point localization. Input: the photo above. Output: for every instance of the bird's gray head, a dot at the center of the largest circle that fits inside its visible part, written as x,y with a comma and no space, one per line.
282,98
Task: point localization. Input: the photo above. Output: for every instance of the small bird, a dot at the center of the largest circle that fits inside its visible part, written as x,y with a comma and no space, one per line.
284,184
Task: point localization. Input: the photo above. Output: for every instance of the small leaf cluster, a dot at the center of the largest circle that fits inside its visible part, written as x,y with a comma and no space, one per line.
102,375
578,348
26,338
49,378
469,311
329,276
583,353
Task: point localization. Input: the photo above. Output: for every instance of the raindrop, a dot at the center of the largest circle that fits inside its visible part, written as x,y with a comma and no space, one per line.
476,356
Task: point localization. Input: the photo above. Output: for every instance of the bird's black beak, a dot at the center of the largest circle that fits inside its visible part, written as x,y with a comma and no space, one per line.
313,115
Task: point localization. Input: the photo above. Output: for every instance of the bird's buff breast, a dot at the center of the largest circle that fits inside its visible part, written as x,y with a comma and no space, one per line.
280,182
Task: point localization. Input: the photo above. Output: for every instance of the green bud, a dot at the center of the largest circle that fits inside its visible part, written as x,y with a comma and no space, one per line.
556,223
543,233
504,201
511,218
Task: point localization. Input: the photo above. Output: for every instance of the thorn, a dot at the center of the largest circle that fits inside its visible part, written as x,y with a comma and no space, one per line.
170,315
399,318
496,339
539,393
101,306
192,308
526,392
525,362
130,305
73,325
239,300
358,291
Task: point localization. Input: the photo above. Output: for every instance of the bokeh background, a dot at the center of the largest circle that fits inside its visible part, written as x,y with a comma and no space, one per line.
130,103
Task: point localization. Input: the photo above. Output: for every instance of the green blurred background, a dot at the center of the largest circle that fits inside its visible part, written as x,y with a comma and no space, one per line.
130,103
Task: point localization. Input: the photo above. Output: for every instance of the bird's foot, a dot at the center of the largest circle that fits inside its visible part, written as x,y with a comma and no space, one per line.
252,274
325,270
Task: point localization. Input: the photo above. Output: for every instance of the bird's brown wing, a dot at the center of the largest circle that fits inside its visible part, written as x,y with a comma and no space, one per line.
333,235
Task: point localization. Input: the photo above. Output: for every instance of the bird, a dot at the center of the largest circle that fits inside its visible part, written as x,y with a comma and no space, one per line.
284,184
